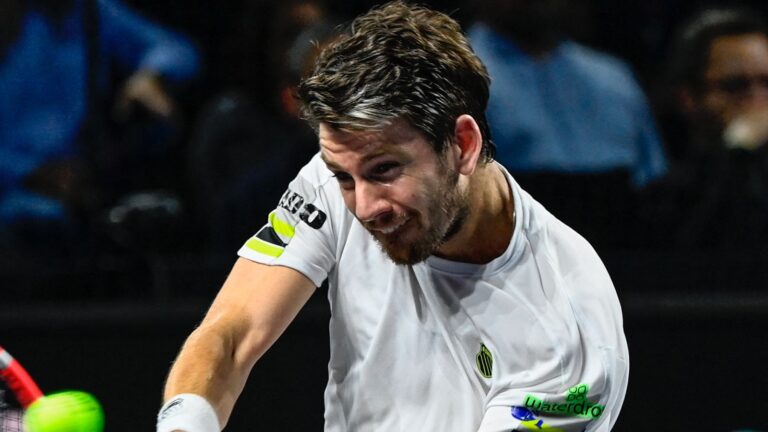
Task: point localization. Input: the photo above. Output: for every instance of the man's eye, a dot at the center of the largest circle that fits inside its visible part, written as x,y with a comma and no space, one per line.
344,179
385,168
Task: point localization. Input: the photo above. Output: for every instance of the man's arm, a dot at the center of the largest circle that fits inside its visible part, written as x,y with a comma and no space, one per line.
137,43
253,308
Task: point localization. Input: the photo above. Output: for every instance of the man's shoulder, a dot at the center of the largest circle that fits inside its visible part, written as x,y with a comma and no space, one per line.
311,178
544,232
315,170
599,65
592,56
311,189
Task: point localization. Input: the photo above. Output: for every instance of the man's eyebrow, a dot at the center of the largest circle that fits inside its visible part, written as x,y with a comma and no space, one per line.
375,154
329,163
367,158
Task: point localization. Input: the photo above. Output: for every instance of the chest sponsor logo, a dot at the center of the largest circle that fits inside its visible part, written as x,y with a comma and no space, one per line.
484,361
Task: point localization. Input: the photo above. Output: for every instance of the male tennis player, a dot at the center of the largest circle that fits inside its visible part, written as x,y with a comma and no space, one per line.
458,302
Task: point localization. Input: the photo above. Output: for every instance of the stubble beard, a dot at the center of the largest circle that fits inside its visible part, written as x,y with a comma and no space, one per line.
446,211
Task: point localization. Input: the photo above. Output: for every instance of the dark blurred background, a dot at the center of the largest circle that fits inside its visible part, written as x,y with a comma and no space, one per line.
132,174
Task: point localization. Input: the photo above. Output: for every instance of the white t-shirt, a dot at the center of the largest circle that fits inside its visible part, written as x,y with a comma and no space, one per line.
531,340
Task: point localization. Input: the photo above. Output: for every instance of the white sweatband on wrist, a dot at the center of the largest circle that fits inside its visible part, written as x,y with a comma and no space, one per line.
189,413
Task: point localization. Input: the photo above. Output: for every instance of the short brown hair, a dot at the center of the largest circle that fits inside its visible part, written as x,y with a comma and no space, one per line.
399,61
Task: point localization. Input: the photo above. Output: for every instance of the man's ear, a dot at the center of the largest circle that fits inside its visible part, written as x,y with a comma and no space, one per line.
467,144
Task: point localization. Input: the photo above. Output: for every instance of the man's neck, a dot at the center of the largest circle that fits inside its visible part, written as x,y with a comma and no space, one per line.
487,231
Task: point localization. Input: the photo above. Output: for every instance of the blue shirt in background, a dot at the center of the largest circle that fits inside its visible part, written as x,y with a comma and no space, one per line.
573,111
43,89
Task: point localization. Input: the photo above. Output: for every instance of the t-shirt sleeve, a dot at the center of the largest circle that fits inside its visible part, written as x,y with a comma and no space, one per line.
299,233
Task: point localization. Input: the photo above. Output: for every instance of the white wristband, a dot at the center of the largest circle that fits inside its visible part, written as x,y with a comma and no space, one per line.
189,413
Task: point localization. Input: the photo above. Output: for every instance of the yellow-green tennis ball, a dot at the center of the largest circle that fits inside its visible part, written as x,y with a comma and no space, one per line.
67,411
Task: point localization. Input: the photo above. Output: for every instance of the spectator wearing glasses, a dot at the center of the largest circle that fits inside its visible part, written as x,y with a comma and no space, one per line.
717,196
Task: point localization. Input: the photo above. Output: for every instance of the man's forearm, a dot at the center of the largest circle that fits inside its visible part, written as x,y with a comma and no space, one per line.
255,305
207,366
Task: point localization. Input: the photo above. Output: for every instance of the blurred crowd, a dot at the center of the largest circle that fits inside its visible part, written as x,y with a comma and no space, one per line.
139,128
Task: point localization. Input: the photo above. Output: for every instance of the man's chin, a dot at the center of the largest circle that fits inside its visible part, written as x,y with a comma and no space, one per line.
404,257
408,247
402,254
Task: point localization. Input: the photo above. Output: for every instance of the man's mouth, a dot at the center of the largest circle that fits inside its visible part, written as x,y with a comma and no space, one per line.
390,229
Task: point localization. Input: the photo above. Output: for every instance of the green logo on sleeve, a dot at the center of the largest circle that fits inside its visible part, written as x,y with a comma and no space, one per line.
575,404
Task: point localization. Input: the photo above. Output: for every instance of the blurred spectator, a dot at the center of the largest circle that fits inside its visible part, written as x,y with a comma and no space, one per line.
58,62
243,153
717,196
569,122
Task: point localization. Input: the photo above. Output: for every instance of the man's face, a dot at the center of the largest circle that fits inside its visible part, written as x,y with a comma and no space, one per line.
736,78
399,189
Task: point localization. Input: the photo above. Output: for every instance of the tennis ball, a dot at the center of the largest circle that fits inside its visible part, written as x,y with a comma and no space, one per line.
67,411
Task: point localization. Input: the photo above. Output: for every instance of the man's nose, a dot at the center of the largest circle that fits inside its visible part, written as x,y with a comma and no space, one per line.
370,202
